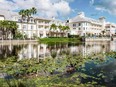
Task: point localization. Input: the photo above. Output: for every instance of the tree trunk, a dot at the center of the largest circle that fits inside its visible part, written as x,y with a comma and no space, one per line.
13,33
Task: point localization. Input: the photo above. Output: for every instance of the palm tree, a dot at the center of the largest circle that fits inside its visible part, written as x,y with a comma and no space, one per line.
65,29
8,27
60,28
23,15
1,29
33,10
5,26
26,14
13,28
53,27
103,32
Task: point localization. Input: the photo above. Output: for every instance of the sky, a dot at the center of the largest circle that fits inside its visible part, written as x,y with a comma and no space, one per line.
64,9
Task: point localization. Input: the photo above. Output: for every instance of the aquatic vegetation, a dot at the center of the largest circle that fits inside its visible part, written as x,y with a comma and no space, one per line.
69,71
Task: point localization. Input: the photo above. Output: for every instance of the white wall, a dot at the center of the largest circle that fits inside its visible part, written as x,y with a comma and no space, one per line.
2,18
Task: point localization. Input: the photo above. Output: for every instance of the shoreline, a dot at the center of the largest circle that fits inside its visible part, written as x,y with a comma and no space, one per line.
16,42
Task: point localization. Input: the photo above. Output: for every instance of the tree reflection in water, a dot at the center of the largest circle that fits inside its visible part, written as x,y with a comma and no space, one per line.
70,64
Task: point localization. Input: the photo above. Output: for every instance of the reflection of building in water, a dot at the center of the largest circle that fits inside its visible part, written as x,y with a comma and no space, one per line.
34,51
96,47
42,51
90,48
113,45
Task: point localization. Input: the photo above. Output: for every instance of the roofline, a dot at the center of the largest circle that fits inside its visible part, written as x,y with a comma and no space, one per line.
2,16
85,21
48,19
42,19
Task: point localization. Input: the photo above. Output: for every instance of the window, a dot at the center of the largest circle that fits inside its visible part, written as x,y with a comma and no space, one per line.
19,20
41,35
24,26
86,24
31,20
67,21
40,26
74,25
79,24
31,26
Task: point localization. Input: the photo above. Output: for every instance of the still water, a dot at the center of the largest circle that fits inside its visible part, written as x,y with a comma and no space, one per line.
104,71
42,51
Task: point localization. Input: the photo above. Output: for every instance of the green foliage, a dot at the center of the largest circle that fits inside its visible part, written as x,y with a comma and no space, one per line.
47,40
53,26
111,54
19,36
27,13
40,72
8,26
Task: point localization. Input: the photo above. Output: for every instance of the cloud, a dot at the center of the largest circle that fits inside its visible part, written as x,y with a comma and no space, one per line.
46,8
105,5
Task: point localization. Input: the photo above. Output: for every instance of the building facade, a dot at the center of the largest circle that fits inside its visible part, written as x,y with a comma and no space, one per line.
44,25
1,18
110,29
37,27
84,26
79,25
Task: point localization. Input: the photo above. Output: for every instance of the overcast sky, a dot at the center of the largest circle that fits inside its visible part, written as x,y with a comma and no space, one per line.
64,9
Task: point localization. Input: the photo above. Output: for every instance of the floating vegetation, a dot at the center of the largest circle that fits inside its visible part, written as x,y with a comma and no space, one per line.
70,71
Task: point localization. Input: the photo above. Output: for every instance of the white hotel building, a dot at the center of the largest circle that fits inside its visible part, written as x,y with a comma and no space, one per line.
1,18
79,25
39,27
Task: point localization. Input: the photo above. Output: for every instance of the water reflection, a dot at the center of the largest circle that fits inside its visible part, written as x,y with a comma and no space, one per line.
103,73
42,51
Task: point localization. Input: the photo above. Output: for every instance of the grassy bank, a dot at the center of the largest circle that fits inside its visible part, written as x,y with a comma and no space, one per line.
47,40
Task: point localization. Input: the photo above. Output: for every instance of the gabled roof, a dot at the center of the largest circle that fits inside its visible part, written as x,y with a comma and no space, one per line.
48,19
1,15
79,18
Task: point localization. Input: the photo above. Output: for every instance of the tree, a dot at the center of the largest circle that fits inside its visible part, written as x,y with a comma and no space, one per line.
60,28
5,28
27,13
33,10
8,27
53,27
13,28
103,32
65,29
23,15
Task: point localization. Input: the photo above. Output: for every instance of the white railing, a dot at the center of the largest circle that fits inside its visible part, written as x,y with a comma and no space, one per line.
98,39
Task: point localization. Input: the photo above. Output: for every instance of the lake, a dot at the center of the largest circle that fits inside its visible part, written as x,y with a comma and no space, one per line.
31,50
101,69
